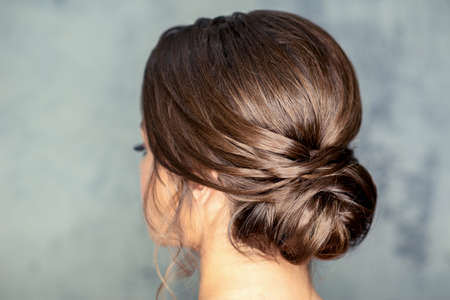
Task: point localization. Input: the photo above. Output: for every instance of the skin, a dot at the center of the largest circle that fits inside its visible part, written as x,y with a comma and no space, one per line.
225,274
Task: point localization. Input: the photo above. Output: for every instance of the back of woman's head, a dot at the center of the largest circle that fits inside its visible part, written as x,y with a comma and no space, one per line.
270,102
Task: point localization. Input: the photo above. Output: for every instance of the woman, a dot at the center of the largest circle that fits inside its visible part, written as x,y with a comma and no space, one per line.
246,122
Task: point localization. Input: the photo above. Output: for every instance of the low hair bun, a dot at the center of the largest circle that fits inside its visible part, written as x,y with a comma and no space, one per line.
322,212
333,211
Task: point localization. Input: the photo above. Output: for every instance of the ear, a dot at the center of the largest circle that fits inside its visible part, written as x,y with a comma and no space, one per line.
202,193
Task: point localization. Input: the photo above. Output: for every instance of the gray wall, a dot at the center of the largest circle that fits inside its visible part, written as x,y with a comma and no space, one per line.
70,73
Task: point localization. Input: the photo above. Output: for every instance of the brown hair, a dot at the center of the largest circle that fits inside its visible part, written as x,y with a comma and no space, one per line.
271,102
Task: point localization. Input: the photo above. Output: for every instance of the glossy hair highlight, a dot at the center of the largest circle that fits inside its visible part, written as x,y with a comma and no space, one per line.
271,102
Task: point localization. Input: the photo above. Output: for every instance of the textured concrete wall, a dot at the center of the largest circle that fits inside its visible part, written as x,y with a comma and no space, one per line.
70,73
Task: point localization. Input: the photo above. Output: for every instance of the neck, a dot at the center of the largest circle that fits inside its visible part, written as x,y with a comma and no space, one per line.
224,271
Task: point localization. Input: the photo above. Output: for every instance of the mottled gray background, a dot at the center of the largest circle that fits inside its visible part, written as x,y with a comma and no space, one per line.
71,225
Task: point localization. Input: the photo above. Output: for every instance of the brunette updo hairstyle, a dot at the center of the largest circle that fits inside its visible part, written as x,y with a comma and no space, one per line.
269,101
